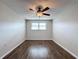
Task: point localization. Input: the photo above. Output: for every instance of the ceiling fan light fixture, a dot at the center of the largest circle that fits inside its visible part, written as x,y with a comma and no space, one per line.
39,14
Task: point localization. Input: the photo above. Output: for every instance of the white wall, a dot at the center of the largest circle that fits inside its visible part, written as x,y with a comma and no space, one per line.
39,35
11,30
65,28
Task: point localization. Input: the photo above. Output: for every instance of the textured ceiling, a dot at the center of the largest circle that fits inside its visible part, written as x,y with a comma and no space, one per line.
22,6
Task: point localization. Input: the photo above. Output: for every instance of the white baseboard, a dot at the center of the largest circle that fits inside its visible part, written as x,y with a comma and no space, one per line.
66,50
11,49
38,39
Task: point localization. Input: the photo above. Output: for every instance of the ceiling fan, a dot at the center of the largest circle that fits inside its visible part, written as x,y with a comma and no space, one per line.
40,11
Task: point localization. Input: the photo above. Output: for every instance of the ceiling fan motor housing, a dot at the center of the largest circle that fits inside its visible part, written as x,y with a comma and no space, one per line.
39,8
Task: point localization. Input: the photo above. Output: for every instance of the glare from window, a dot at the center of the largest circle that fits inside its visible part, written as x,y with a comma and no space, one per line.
38,52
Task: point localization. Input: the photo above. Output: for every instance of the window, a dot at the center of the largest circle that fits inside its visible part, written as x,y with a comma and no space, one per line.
38,26
42,26
34,26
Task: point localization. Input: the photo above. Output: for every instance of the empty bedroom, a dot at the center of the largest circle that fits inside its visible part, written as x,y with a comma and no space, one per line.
38,29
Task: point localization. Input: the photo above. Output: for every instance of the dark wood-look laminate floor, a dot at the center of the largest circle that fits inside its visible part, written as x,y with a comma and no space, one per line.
39,49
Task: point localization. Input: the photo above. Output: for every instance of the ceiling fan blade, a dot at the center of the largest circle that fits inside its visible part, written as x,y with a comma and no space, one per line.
46,14
47,8
31,9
